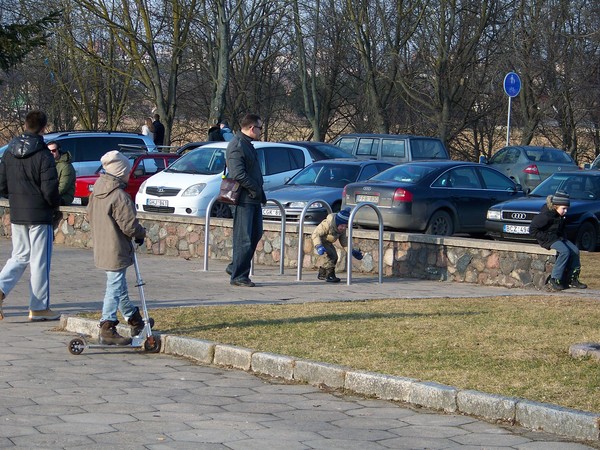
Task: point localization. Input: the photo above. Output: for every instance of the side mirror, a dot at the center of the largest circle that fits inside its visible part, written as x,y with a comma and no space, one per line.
482,159
587,166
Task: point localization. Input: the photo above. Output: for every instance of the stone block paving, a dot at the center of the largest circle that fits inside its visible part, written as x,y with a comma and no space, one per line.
129,399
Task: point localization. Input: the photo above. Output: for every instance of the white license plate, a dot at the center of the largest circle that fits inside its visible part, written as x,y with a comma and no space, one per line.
516,229
76,201
367,198
271,212
157,202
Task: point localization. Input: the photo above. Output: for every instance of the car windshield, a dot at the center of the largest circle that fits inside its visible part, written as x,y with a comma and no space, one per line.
405,173
201,161
578,186
329,175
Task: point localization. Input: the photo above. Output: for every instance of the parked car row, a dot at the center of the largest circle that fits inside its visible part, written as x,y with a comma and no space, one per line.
425,192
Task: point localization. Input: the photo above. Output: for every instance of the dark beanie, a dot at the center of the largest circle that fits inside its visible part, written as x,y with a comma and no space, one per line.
561,199
341,218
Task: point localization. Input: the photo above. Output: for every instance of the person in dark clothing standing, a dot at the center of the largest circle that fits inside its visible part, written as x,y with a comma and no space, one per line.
159,131
214,134
28,178
243,166
548,227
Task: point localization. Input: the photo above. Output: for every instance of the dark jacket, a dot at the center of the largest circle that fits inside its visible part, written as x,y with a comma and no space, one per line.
159,132
28,178
66,178
243,166
547,227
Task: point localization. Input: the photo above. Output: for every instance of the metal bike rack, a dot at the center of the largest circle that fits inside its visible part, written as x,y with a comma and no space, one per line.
301,232
207,230
283,223
350,224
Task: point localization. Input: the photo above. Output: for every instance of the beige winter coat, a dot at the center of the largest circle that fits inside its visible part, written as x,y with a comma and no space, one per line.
111,214
326,232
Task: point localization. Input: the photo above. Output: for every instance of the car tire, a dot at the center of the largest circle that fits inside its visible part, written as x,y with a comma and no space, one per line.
587,237
221,210
440,224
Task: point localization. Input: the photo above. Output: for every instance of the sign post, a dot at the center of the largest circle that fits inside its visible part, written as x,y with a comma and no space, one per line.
512,87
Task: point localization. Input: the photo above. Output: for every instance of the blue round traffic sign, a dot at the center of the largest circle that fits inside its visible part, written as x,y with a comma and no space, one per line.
512,84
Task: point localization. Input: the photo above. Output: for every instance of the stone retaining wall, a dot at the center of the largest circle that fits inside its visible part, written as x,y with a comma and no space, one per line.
404,255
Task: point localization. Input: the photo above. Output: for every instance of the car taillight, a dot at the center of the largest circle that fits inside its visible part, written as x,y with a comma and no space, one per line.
344,192
531,169
403,196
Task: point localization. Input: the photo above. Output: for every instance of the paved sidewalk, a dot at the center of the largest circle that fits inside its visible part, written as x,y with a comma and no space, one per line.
130,399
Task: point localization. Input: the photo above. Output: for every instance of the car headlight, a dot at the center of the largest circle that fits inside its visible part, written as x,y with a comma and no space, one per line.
303,204
494,214
194,190
142,188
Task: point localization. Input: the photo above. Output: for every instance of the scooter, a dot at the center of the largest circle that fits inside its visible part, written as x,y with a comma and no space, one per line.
145,340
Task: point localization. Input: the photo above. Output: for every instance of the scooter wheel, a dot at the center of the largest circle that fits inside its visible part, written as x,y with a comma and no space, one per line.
76,346
152,344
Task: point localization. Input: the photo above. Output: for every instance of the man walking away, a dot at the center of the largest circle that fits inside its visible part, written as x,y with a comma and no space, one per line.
159,131
28,178
243,166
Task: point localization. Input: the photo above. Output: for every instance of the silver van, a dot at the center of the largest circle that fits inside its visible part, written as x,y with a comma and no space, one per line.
396,148
87,147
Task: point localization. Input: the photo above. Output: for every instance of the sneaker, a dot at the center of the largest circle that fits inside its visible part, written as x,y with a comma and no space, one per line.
244,282
44,314
555,285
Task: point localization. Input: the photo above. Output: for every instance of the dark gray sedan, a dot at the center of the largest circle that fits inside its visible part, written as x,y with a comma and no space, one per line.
324,180
435,197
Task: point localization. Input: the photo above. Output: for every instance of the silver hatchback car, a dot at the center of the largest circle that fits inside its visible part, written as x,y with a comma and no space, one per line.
529,165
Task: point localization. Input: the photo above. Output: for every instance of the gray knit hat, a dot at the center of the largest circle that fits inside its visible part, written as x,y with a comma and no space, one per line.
116,163
561,199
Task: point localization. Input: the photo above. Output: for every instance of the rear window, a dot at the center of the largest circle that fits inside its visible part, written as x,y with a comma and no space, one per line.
428,149
92,148
404,173
549,155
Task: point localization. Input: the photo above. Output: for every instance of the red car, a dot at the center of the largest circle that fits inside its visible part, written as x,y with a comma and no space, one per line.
144,165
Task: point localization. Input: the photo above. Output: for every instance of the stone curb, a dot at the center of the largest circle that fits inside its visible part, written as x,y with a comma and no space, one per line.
547,417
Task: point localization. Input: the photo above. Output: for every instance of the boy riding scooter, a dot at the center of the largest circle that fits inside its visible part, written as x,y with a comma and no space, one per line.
113,220
331,229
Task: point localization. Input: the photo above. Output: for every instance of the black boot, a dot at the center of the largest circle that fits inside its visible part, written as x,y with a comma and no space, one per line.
331,278
574,281
555,285
322,274
136,322
109,335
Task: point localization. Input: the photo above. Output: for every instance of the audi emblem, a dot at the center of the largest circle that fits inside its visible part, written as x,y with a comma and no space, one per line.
518,216
367,188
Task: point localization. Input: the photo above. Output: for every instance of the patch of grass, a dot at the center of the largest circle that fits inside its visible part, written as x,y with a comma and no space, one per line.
513,346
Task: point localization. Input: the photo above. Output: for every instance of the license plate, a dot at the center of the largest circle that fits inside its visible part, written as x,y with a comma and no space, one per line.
516,229
271,212
76,201
367,198
157,202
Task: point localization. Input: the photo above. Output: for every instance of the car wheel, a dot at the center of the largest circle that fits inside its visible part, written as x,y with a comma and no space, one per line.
221,210
587,237
440,224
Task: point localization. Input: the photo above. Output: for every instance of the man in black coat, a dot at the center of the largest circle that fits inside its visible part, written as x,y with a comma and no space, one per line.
244,167
159,131
28,178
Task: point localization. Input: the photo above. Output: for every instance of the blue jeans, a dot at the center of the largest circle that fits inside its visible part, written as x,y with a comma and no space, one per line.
116,296
567,258
247,232
32,246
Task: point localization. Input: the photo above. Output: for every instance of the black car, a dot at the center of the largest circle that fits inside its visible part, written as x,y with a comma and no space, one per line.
321,150
510,220
435,197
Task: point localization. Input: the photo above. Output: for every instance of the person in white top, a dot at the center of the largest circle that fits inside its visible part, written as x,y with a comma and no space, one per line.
148,128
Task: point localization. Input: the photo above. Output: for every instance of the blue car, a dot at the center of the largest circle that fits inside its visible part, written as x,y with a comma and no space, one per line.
510,220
